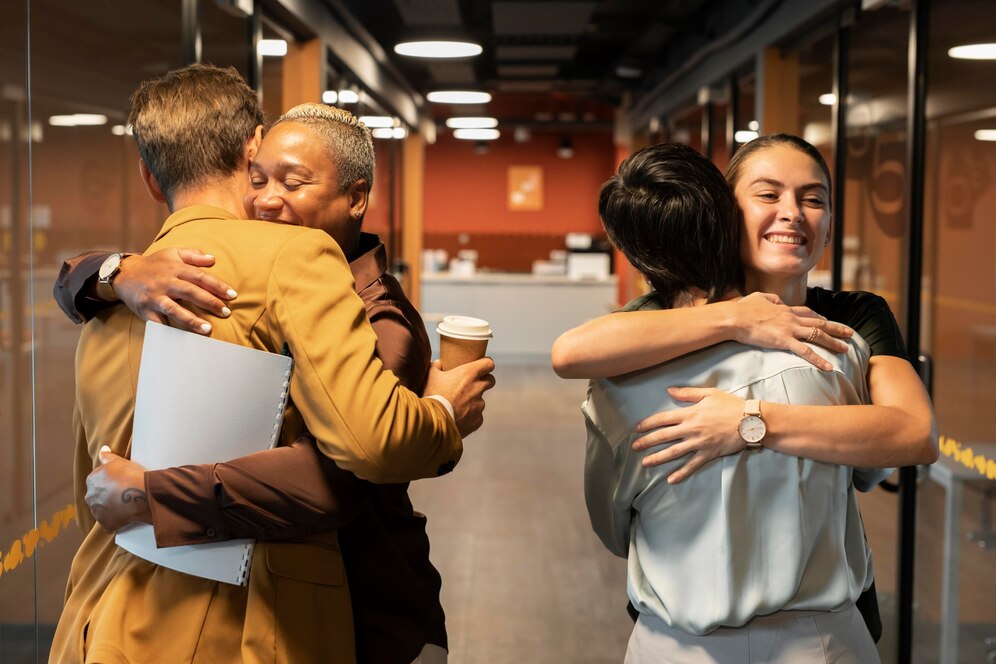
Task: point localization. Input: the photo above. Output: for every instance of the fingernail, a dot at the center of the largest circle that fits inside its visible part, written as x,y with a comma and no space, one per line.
206,327
105,448
231,294
226,312
209,256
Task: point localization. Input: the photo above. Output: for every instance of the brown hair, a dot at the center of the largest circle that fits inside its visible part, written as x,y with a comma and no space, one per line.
192,124
347,140
743,153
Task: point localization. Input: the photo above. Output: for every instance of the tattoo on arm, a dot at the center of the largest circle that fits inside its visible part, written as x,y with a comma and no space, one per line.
129,495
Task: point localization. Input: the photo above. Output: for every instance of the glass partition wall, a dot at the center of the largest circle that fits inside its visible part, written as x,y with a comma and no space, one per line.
954,617
68,183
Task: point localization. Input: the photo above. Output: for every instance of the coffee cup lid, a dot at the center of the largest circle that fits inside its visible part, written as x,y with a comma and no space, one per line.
464,327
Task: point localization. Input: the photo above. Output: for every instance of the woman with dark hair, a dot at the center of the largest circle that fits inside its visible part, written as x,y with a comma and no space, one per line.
782,187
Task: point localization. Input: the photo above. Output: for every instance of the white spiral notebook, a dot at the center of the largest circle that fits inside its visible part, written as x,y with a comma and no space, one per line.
201,400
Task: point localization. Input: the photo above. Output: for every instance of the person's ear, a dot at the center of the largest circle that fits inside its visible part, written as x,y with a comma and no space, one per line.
359,198
252,145
150,183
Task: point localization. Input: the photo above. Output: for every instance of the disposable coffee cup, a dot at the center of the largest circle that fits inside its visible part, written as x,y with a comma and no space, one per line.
462,339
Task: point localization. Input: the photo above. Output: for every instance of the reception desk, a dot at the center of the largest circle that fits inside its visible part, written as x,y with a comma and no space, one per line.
527,312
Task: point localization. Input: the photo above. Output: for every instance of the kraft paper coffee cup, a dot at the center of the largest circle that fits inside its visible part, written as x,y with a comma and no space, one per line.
462,339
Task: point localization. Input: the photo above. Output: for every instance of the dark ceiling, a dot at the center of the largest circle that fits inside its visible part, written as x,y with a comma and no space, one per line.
581,52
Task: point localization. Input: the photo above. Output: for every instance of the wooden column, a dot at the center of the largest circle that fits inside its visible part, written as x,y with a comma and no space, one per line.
778,91
412,212
303,73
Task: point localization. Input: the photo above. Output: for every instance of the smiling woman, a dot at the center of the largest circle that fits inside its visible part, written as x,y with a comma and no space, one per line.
294,178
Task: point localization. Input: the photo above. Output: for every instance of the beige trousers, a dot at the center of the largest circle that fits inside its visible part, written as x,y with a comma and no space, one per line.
789,637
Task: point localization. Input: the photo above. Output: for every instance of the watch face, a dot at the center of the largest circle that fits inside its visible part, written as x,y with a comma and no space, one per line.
109,265
752,428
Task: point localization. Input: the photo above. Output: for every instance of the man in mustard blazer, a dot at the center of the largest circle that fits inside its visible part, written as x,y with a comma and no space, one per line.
196,129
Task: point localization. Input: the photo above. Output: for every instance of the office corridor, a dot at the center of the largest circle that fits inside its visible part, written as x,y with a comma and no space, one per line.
524,578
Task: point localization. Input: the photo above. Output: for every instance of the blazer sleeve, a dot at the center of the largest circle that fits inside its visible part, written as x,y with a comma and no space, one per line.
284,492
361,416
70,286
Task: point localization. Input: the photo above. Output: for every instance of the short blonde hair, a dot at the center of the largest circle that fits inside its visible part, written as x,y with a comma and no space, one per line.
191,125
348,141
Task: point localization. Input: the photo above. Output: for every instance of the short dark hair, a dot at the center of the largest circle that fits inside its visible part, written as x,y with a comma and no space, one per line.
735,168
191,125
671,213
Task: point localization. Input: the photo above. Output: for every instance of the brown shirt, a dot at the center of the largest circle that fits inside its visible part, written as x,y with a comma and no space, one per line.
393,586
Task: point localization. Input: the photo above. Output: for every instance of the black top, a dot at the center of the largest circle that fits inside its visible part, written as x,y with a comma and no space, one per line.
866,313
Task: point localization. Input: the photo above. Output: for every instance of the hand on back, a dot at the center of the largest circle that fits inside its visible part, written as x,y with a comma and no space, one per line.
765,322
154,287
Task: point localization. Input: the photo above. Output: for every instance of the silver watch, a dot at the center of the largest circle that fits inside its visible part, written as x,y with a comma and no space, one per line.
110,268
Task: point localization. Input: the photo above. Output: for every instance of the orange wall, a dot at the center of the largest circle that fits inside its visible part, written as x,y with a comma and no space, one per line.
467,193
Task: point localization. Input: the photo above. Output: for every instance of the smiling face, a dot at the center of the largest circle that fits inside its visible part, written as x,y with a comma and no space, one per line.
294,180
785,202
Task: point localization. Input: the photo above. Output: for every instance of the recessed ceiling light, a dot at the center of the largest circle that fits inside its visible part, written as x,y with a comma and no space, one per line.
828,99
476,134
744,136
471,123
973,52
753,125
985,135
78,120
121,130
330,97
458,97
438,49
348,97
277,47
389,132
377,121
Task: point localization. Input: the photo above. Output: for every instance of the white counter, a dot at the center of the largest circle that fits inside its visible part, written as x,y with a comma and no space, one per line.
527,312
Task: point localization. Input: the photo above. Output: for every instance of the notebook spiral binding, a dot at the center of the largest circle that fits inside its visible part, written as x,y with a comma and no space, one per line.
243,573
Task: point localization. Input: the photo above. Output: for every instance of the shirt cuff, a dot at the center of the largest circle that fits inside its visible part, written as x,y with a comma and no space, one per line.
446,404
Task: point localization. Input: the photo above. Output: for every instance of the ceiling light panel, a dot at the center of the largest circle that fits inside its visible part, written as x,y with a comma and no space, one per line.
541,18
472,123
429,13
458,97
476,134
438,49
973,52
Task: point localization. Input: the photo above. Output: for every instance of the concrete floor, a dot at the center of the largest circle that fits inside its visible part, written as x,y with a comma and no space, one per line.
524,577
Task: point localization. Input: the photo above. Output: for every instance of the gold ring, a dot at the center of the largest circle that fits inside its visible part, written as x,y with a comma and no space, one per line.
812,335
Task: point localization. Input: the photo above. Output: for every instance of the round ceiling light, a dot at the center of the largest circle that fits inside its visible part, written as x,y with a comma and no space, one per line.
973,52
476,134
471,123
438,49
458,97
828,99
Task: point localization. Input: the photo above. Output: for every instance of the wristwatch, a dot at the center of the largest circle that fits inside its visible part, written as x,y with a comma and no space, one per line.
752,427
110,268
